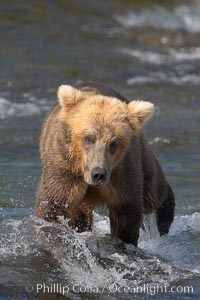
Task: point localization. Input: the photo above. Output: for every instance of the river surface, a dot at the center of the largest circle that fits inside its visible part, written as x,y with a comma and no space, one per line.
146,50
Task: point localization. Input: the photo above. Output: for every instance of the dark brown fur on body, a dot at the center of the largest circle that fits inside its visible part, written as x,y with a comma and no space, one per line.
136,185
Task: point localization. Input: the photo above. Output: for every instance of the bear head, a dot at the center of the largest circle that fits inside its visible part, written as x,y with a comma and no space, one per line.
101,129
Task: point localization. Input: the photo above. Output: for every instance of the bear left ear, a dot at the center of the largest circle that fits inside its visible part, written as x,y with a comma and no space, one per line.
139,112
68,95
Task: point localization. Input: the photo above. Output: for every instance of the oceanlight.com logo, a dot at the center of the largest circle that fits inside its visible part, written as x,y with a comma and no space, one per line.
115,288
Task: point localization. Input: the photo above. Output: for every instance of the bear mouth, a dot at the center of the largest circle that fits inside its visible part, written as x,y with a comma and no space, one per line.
98,184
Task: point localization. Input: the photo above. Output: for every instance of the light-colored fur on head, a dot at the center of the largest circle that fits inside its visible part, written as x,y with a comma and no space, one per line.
90,113
68,95
104,117
139,112
84,106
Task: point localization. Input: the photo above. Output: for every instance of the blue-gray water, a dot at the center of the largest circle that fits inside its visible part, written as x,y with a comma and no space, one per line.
144,49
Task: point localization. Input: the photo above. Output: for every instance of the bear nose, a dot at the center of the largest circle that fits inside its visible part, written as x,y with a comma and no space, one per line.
98,175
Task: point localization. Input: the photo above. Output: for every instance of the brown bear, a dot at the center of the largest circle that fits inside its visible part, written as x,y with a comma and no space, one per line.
93,153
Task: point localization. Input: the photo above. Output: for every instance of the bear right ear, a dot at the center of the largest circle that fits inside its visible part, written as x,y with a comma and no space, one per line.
68,95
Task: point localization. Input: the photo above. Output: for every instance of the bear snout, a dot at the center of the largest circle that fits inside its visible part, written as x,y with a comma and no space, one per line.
99,176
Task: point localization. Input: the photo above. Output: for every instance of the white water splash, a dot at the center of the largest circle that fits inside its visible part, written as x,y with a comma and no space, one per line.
94,259
181,18
160,140
158,77
10,109
31,106
180,246
170,55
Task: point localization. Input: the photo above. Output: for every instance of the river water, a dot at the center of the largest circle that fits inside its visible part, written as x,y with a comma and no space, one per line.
146,50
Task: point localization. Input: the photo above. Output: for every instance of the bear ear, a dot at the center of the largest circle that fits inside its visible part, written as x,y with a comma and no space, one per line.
139,112
68,95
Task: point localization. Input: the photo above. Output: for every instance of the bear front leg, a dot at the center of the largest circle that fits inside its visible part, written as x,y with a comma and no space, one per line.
125,222
60,196
82,218
57,199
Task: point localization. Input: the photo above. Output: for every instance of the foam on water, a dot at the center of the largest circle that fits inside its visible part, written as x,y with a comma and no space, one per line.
159,140
93,259
182,17
32,106
170,56
190,17
181,245
10,109
158,77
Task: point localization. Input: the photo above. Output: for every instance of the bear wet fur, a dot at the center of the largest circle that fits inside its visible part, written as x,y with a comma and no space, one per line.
93,153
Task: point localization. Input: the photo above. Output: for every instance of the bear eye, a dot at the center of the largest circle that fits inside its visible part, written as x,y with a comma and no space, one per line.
113,146
89,139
